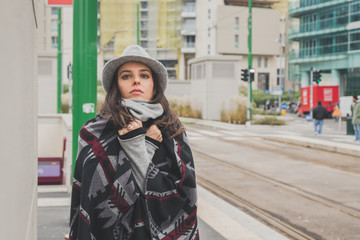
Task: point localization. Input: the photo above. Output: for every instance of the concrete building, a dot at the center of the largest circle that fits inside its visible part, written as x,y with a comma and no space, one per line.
328,34
47,40
188,33
166,31
222,30
18,98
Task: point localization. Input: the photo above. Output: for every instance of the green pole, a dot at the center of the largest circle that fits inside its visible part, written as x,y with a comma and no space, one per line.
84,66
137,25
250,54
59,61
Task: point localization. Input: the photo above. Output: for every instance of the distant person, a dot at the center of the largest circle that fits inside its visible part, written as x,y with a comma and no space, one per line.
336,113
355,109
134,175
319,113
329,109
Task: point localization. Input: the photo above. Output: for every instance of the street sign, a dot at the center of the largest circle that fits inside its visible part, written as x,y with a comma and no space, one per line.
276,90
59,2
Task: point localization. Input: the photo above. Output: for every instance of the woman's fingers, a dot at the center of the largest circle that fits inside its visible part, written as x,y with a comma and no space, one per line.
154,133
132,126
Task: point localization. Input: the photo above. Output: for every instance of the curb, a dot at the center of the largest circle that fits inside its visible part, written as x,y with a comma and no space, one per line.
320,144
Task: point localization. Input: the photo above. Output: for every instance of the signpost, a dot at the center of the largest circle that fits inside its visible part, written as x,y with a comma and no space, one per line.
249,112
84,69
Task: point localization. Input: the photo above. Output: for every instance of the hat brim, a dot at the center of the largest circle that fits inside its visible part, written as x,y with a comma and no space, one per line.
111,67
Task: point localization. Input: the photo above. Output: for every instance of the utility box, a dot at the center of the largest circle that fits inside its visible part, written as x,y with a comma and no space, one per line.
214,80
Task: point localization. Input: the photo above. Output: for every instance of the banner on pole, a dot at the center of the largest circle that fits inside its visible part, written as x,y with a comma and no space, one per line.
59,3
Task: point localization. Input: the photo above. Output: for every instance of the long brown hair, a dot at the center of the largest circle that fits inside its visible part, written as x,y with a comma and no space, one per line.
114,110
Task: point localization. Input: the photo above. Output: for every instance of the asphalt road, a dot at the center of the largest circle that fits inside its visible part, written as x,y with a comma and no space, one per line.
313,192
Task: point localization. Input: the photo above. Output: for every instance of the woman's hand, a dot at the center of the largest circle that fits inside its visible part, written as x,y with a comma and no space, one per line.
132,126
154,133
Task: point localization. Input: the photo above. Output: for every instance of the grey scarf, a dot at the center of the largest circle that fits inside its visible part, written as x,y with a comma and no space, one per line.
142,109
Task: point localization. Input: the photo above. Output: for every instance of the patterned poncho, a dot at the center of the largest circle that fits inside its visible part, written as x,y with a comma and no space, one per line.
107,202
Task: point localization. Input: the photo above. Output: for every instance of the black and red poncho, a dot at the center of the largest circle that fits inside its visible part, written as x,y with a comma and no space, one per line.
107,203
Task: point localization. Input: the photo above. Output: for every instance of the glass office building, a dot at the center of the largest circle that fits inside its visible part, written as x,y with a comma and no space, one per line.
328,37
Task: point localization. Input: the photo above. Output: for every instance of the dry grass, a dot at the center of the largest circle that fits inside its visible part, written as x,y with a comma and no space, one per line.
234,110
183,107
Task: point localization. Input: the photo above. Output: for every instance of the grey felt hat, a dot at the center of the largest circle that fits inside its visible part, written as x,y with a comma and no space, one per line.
133,53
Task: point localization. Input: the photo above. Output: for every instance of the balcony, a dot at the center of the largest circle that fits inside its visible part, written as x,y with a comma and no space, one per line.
321,27
298,8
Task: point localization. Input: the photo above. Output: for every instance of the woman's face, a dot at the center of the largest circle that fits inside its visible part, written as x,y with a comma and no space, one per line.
135,81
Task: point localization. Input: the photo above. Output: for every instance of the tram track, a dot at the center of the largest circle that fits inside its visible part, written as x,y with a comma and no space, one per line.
275,221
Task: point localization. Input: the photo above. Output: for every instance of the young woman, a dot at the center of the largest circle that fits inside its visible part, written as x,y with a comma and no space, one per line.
134,176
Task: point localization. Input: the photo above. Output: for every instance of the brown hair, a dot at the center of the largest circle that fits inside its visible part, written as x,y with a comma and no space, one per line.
115,111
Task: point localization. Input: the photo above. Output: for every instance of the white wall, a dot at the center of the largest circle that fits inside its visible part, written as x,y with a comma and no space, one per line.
18,144
214,81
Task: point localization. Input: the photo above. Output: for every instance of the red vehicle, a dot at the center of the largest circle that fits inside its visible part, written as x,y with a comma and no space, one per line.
328,95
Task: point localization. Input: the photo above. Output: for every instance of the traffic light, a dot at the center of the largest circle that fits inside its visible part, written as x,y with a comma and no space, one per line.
252,74
317,76
245,74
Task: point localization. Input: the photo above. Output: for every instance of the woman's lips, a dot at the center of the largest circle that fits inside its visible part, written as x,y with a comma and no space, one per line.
136,91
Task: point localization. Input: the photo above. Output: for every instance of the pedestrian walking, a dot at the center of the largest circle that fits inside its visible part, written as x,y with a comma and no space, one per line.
319,113
134,176
355,110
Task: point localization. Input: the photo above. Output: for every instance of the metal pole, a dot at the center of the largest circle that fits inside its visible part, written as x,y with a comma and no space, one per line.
84,66
59,61
311,93
249,112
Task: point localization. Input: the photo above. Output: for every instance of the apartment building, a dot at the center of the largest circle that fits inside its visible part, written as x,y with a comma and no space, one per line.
188,33
328,34
222,29
166,29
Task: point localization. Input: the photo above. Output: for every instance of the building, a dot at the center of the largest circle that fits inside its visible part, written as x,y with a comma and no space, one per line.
47,44
222,29
164,28
328,34
188,33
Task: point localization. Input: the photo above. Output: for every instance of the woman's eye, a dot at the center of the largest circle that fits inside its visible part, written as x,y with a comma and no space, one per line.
145,76
124,77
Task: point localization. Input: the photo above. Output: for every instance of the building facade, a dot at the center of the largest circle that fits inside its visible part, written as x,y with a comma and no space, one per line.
328,34
166,29
223,30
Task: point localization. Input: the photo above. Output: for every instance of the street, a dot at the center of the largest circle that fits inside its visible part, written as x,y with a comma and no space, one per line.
304,193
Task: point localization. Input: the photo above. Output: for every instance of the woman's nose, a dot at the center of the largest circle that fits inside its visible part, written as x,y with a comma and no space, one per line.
136,80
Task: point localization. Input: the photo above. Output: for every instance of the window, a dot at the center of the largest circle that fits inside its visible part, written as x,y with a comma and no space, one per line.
355,41
144,5
54,11
189,42
265,61
54,42
189,24
237,23
54,26
236,41
209,13
259,61
209,31
208,49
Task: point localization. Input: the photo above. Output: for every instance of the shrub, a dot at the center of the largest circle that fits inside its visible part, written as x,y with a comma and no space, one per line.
234,111
183,107
269,121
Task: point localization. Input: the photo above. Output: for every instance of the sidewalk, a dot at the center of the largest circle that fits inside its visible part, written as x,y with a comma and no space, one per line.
297,131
